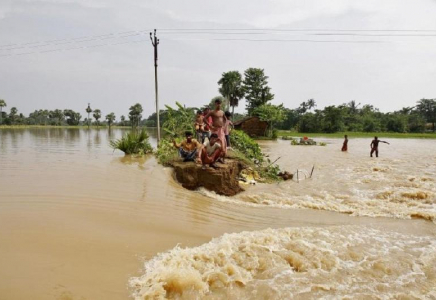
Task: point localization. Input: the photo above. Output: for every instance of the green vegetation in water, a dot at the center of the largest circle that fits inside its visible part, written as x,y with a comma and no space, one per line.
134,142
285,134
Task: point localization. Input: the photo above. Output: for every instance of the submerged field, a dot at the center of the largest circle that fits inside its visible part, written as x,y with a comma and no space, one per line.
360,135
79,221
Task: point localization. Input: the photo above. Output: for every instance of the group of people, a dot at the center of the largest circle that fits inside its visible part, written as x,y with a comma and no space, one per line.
374,145
212,137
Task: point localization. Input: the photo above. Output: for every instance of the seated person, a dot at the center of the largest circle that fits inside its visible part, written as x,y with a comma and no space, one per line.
211,151
189,148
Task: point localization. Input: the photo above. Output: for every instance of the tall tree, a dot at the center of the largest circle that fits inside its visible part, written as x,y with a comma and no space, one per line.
256,89
231,88
135,114
110,118
97,115
122,119
427,107
2,104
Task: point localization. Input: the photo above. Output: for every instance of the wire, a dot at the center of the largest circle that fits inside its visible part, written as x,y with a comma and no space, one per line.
73,48
222,31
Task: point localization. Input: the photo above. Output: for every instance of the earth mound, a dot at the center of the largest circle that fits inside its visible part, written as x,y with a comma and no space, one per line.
222,180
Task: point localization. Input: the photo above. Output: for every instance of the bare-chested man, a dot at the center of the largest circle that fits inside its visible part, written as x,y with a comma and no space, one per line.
374,146
218,123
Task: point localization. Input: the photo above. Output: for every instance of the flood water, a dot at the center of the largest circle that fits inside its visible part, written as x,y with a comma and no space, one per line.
79,221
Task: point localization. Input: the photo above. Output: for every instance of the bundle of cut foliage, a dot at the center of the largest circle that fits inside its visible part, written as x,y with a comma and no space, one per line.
134,142
248,151
179,120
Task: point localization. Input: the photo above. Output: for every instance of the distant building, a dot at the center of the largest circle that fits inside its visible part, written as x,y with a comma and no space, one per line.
252,126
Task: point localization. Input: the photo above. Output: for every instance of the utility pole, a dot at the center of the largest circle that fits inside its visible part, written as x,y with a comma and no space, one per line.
155,42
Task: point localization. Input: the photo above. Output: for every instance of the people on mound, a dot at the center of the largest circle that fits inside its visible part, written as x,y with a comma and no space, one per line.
208,153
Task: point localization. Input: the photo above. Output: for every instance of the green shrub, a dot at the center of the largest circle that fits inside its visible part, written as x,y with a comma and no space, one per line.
134,142
246,145
166,152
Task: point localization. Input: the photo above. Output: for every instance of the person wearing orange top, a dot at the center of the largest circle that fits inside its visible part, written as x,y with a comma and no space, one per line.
189,149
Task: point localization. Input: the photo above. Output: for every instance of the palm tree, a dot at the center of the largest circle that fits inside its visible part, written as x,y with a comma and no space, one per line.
110,118
2,104
231,88
97,115
353,106
88,110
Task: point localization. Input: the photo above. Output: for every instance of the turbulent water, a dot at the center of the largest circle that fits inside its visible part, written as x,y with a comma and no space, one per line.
400,184
298,263
344,262
77,221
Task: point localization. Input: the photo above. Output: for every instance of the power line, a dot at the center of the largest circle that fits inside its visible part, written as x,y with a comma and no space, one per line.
75,40
297,30
222,31
69,49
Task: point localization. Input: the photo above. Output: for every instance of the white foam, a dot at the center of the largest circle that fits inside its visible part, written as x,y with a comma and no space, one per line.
294,263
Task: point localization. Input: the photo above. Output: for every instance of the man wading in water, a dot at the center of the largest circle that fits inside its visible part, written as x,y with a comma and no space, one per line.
374,146
217,127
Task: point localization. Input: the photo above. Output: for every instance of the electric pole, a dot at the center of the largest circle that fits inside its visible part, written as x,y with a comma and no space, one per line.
155,42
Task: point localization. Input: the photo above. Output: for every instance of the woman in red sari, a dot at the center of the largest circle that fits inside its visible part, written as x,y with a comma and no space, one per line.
345,145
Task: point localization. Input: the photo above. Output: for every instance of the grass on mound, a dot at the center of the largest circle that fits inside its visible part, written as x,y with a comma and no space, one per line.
360,135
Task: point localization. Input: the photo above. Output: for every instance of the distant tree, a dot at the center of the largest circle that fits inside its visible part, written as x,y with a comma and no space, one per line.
97,115
416,122
306,106
2,104
13,115
56,117
135,114
73,118
231,88
122,120
110,118
396,122
333,119
427,107
271,114
256,89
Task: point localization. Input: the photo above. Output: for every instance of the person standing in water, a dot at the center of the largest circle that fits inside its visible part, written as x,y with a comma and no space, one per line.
345,145
218,123
374,146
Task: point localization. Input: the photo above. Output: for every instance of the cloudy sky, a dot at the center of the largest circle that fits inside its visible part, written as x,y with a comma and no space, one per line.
66,53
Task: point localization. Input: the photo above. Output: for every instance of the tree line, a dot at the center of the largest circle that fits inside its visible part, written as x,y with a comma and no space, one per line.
69,117
253,86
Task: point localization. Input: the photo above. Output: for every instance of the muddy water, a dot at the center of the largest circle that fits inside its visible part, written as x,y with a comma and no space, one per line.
78,221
